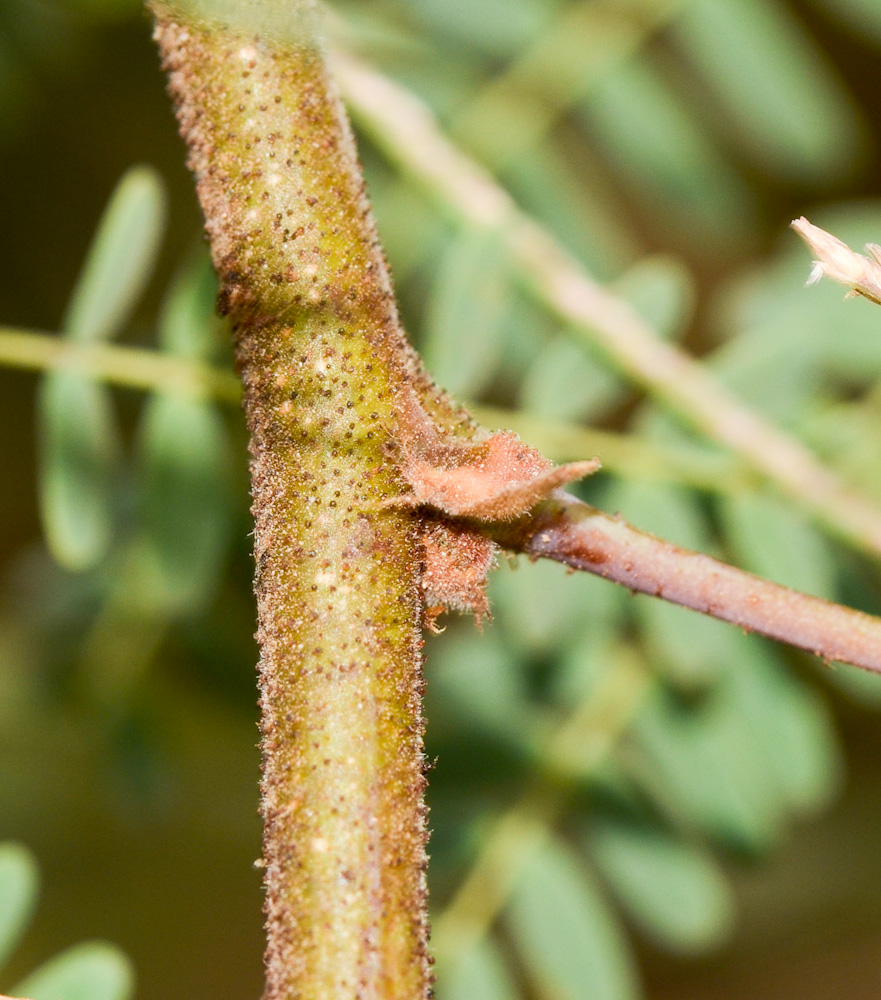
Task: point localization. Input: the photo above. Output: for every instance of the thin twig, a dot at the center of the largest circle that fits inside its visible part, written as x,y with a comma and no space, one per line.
152,371
405,128
571,532
131,367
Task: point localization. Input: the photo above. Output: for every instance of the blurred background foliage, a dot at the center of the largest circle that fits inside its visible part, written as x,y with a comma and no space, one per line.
629,800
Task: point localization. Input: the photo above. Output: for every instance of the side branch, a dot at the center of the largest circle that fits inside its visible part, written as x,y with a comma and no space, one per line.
408,133
571,532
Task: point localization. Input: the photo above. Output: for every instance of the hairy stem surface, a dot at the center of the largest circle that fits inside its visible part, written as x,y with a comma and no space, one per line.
320,354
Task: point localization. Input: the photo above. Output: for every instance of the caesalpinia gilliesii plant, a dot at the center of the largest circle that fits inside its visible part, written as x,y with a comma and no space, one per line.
378,503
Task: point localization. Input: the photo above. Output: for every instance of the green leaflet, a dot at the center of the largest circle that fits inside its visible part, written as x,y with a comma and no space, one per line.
860,685
661,289
774,367
120,259
766,536
541,606
789,724
19,885
497,26
474,680
850,432
585,662
733,763
675,891
184,459
413,232
184,466
787,106
463,330
862,16
481,975
570,942
671,512
92,971
79,452
566,383
188,324
706,770
664,156
78,462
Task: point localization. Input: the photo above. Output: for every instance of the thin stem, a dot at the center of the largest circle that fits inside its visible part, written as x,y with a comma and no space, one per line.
575,749
406,130
571,532
131,367
152,371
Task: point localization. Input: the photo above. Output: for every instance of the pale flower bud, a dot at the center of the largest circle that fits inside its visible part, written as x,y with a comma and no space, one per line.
836,260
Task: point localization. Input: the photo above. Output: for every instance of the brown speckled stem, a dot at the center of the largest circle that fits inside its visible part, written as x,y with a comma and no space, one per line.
584,538
322,359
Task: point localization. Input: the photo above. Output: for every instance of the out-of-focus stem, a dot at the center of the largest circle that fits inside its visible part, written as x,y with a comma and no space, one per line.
627,454
571,532
581,42
130,367
406,130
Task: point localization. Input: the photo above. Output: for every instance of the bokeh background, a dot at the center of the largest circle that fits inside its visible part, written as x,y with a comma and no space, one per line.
675,809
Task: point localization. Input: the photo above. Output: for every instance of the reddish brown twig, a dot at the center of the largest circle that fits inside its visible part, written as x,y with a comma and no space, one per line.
571,532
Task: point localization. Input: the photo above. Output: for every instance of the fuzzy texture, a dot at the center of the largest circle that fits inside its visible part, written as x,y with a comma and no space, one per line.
339,602
456,561
493,478
369,490
462,487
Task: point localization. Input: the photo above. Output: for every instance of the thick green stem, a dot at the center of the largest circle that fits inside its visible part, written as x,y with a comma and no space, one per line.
322,359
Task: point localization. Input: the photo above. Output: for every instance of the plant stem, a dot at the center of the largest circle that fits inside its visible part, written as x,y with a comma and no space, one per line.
144,369
571,532
153,371
356,457
339,608
407,131
130,367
